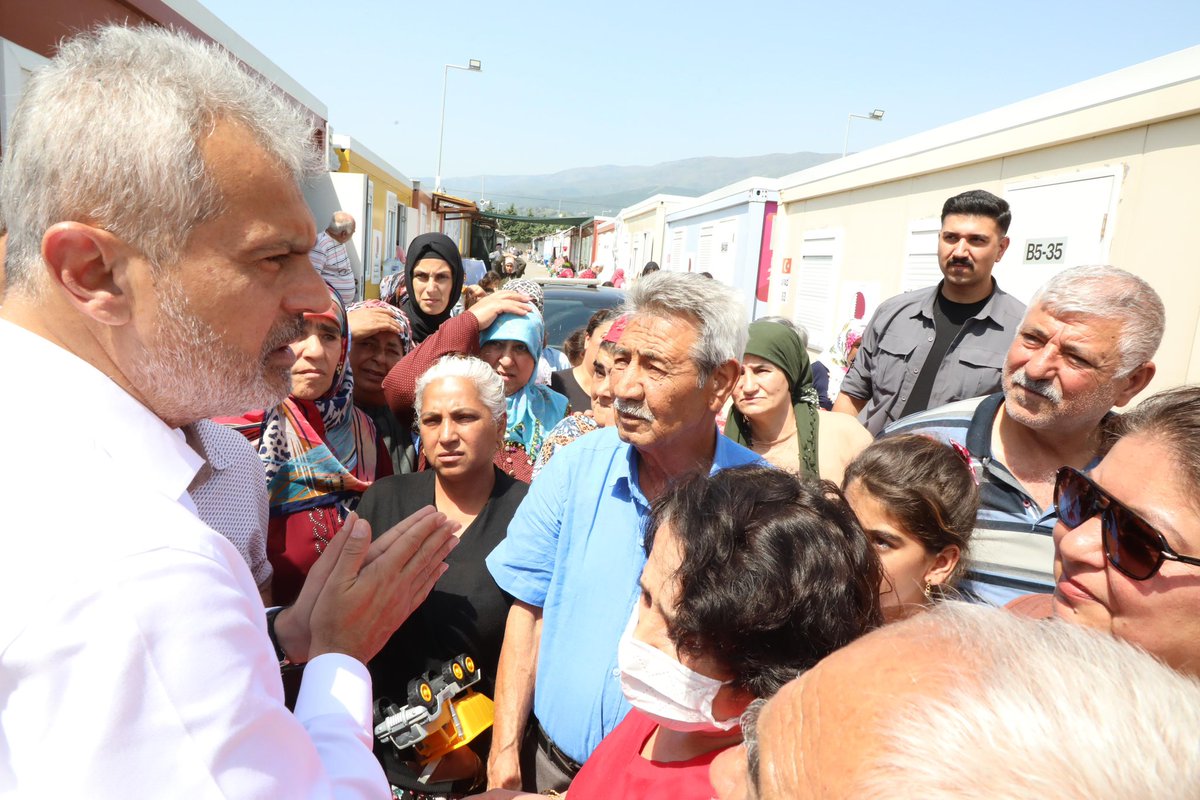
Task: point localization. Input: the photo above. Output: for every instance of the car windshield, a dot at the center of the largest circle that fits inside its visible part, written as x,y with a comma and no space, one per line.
568,309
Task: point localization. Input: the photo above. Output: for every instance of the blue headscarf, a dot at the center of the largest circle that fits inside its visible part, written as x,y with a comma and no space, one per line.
533,409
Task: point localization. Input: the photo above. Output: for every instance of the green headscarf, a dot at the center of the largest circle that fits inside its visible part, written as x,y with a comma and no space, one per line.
780,345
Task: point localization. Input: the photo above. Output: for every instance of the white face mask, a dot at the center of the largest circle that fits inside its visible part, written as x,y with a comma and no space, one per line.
665,690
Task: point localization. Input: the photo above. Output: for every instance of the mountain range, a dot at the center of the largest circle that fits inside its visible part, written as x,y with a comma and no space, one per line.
605,190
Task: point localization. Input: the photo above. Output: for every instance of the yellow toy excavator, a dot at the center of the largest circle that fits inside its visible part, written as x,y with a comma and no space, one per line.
442,713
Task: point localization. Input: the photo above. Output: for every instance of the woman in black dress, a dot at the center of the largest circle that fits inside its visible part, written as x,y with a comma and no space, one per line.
461,419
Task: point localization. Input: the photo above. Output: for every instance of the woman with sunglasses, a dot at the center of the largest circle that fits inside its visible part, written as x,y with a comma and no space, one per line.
1127,542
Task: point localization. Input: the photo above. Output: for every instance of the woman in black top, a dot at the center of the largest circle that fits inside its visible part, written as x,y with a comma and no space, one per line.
576,383
460,417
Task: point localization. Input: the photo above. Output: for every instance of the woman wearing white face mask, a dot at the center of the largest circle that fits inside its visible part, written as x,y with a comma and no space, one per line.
752,577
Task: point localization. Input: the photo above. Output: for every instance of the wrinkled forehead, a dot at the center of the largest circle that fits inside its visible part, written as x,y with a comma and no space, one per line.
1098,333
662,332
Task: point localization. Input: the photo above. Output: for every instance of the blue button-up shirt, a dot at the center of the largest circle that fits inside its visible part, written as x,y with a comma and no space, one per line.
574,549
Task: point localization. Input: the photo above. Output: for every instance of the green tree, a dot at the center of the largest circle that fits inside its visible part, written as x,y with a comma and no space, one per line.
523,232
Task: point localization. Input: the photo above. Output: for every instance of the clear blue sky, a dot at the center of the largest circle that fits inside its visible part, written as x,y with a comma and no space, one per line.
583,84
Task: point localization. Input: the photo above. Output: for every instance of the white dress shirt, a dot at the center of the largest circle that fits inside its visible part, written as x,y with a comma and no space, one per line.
134,660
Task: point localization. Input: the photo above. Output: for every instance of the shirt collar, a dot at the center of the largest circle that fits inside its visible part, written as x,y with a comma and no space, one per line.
979,433
925,309
149,451
205,441
623,477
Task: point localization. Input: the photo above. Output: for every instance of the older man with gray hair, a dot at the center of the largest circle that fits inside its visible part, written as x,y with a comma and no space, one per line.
965,701
1086,344
573,555
330,258
145,294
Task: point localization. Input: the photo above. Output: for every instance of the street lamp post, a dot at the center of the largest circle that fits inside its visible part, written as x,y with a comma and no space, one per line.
472,66
876,115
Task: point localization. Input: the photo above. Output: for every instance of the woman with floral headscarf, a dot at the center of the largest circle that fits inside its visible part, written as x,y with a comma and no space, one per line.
320,451
832,365
512,345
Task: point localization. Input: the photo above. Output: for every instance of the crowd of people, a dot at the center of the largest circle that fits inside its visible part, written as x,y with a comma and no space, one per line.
694,563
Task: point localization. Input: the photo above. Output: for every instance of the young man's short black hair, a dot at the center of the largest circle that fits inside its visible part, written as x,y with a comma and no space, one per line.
978,203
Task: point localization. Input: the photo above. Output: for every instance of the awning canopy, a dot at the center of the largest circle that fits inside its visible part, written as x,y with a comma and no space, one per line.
564,221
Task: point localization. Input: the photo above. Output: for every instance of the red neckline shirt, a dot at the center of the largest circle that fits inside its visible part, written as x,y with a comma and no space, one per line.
617,769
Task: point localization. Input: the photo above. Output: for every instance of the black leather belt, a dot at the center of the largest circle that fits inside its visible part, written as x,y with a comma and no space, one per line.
560,759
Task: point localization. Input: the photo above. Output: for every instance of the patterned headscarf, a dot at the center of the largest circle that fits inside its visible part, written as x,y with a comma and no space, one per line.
532,288
397,314
533,409
780,345
316,452
393,289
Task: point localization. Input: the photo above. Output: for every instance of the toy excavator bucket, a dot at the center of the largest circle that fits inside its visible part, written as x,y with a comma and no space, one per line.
470,715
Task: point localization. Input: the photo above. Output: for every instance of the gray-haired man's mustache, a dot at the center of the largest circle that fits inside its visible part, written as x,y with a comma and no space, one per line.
1046,388
635,410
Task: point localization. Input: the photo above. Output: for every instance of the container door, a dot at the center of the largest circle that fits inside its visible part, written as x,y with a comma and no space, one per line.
1057,223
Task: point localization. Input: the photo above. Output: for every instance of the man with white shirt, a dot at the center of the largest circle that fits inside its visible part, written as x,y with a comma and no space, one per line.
144,294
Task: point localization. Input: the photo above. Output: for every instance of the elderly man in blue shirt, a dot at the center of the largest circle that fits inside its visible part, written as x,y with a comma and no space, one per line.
574,553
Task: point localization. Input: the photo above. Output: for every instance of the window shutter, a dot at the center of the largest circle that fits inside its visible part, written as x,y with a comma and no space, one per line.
816,282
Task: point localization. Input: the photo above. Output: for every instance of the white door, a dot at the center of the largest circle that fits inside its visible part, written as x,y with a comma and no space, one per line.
1060,222
675,256
704,259
17,66
354,199
391,234
920,255
371,244
724,258
816,278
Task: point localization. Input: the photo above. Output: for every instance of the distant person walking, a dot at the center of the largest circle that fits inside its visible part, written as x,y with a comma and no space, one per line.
330,258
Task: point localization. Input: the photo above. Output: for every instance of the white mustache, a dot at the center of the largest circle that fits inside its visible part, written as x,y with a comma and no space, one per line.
635,410
1046,388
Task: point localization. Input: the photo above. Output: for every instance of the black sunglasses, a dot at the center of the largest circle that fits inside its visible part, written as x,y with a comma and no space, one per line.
1131,544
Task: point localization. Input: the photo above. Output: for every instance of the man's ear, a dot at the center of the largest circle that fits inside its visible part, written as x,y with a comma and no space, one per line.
1134,382
90,265
721,383
1003,247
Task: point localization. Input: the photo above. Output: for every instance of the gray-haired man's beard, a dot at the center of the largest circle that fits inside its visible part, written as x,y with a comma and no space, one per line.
190,372
1046,388
636,410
